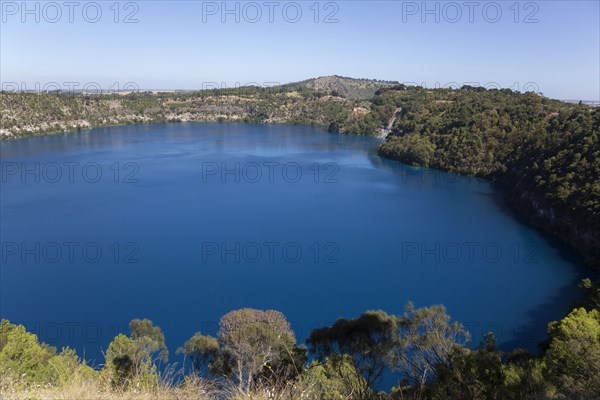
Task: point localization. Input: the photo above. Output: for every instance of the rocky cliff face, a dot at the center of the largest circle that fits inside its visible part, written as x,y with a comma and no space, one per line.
28,114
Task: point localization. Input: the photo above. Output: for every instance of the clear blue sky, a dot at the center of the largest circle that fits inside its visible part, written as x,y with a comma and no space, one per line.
186,45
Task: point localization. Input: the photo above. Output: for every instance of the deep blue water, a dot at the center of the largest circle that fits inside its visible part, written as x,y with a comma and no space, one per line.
195,220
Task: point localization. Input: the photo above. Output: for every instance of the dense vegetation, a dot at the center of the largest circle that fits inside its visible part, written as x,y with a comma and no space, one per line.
545,153
256,355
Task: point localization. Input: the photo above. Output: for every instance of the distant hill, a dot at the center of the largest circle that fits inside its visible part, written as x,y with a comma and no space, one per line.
349,88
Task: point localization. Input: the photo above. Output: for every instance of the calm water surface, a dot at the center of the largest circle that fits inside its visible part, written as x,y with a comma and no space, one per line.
181,223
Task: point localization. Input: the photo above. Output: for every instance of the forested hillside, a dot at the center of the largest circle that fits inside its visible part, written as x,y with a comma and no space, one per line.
28,114
319,101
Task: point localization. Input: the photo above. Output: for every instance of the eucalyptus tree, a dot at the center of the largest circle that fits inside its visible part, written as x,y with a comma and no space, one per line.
257,345
368,342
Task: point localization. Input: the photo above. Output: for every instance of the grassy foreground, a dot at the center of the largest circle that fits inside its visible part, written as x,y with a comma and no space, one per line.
78,388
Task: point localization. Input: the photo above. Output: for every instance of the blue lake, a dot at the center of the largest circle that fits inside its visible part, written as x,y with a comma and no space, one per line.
181,223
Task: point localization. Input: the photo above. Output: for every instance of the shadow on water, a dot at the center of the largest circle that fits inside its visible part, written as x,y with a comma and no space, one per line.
498,196
556,306
559,304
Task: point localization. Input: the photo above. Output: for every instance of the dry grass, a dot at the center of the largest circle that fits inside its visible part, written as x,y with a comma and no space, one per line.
74,392
96,389
92,392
